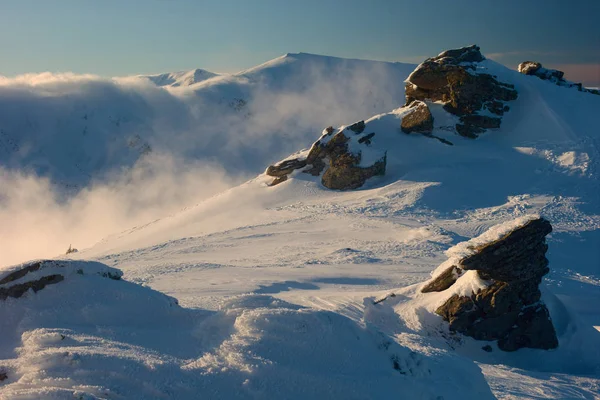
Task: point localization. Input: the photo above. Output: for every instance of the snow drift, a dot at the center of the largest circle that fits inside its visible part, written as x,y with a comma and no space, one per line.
92,337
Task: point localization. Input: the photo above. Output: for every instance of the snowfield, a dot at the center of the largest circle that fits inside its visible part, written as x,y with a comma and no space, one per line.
273,292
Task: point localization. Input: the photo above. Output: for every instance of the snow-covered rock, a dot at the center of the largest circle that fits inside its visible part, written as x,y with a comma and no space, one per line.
510,262
455,79
552,75
419,119
36,275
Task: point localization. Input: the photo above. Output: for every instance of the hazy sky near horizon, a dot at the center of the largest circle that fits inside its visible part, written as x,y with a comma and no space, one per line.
124,37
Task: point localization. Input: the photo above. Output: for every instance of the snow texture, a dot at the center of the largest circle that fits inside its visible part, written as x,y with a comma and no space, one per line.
280,286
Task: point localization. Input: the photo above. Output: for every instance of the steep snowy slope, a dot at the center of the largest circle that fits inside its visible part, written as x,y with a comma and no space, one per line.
335,253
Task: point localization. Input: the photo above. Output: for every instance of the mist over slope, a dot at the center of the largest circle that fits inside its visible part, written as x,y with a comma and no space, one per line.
280,286
83,156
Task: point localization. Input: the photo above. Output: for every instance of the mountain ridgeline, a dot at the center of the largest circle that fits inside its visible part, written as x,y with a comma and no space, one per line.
462,87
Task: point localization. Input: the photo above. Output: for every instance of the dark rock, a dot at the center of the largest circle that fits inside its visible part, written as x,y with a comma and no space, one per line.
278,180
357,127
418,119
464,54
487,348
285,167
443,281
519,255
21,272
509,309
449,78
343,174
3,375
332,155
529,67
18,290
9,287
553,75
366,139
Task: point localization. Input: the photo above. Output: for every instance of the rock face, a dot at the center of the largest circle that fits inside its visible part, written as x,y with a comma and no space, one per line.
36,275
419,119
332,154
509,308
452,78
552,75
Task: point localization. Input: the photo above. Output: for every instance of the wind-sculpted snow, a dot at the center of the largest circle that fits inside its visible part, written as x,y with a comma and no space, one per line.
91,337
325,257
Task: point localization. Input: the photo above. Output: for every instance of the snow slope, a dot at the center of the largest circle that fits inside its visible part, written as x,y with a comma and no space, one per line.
180,78
75,129
129,342
310,262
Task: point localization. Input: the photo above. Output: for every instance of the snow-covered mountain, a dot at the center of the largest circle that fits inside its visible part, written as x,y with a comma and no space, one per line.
180,78
280,286
75,129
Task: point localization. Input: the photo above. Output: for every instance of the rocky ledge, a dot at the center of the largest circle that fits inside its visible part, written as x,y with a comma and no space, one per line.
509,264
36,275
332,151
553,75
453,78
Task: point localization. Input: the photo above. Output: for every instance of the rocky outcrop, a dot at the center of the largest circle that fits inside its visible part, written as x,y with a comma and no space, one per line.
443,281
553,75
418,119
453,79
36,275
509,308
332,154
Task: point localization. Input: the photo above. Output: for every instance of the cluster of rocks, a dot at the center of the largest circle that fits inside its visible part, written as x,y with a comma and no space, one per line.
36,275
509,309
332,151
553,75
452,78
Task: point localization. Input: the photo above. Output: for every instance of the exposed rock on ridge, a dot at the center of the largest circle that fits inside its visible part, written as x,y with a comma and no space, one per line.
508,309
344,170
552,75
419,119
36,275
453,79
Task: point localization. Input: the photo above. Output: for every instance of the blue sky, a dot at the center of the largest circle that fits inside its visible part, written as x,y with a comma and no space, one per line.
121,37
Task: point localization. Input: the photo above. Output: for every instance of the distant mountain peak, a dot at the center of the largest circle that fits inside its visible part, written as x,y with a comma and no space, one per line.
181,78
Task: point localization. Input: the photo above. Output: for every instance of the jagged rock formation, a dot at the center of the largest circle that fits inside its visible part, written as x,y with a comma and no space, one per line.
452,78
552,75
418,119
508,309
36,275
344,171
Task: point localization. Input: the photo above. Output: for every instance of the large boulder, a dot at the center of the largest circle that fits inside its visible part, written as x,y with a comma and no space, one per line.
534,68
452,78
332,154
508,308
418,119
36,275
